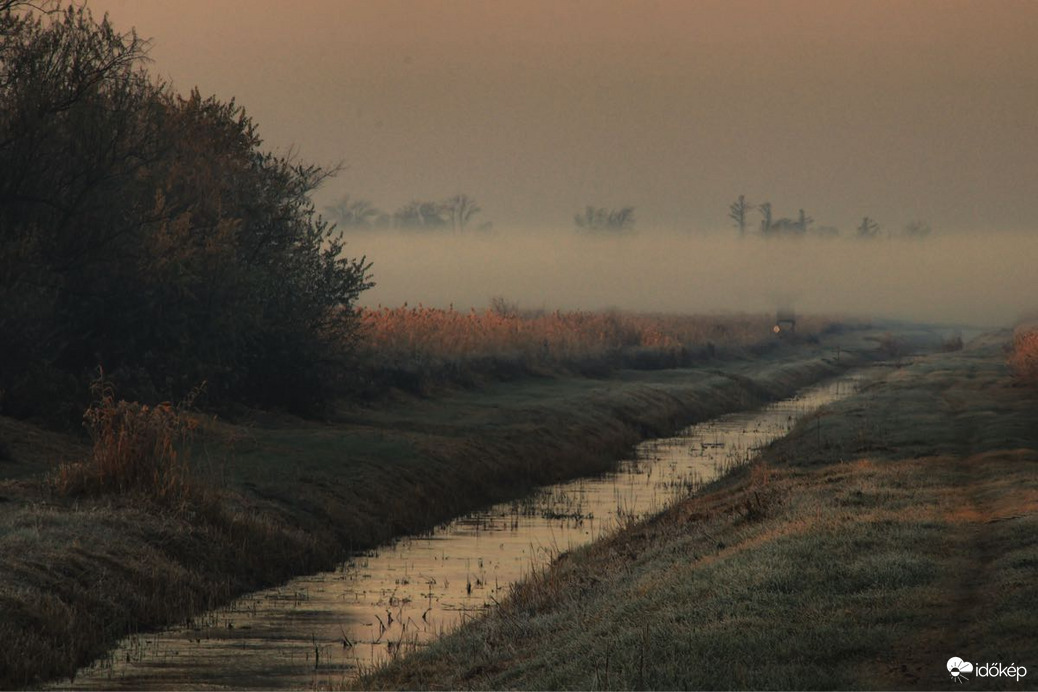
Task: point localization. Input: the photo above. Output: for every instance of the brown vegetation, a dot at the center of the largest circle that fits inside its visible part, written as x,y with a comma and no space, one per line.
410,347
1023,359
135,447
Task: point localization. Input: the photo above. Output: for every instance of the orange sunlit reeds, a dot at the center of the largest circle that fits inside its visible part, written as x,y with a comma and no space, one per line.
1023,359
426,338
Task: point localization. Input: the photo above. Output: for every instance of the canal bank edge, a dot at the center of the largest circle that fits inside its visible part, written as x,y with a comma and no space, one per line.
292,500
886,536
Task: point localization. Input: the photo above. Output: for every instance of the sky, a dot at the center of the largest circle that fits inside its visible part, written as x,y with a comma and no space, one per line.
893,109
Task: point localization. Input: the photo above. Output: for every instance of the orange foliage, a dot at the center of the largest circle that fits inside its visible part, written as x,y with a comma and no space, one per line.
1024,357
135,447
424,336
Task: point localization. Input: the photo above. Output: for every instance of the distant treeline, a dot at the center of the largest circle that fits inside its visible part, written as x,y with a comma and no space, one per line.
740,210
454,213
148,232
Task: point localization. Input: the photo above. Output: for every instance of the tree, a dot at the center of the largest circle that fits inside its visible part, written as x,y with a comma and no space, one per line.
602,219
460,209
150,233
868,228
355,214
737,212
418,214
765,222
803,221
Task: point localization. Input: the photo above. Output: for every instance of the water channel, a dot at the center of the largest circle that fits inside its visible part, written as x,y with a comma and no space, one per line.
318,630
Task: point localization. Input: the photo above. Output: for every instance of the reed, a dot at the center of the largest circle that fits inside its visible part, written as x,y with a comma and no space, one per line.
1023,358
503,341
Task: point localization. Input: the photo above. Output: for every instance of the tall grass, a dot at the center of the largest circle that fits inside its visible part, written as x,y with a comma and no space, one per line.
1023,359
428,341
136,447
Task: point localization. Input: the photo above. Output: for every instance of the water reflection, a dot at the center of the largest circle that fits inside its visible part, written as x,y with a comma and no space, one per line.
317,630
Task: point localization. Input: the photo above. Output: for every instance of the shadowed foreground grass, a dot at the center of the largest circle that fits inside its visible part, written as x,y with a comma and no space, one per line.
278,497
893,531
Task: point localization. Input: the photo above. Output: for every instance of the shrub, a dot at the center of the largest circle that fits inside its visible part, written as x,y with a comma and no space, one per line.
136,447
952,343
149,232
1023,359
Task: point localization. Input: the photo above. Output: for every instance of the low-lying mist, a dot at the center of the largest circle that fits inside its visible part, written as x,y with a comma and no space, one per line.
984,279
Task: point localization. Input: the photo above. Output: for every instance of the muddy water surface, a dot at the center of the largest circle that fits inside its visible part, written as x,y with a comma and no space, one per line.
318,630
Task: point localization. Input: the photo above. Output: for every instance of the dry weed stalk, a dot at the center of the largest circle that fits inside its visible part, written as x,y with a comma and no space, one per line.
135,447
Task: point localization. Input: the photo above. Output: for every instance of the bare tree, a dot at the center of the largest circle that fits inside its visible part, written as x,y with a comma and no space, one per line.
737,212
460,210
803,221
602,219
421,214
355,213
868,228
765,212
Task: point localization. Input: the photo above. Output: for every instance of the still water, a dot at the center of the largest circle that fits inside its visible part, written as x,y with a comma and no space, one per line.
318,630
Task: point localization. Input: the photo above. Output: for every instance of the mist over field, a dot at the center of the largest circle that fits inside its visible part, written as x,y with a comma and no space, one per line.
982,279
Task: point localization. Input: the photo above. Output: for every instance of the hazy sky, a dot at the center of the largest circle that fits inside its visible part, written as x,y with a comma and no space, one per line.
894,109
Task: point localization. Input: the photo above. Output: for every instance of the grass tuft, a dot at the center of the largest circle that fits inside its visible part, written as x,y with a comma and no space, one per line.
136,447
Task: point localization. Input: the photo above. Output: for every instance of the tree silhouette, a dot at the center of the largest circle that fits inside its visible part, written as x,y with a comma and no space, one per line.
803,221
737,212
419,214
355,213
868,228
149,232
460,209
602,219
765,221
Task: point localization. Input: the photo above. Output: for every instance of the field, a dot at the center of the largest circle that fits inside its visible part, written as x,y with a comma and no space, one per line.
882,537
109,537
235,353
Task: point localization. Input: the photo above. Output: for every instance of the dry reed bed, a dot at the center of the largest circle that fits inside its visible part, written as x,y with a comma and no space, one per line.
436,343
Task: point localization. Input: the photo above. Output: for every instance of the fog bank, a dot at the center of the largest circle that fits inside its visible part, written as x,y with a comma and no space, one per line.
985,279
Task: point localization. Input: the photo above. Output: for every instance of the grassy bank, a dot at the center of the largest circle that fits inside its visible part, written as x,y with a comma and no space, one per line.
891,532
284,496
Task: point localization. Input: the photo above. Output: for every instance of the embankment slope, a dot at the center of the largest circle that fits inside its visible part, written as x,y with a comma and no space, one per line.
891,532
285,497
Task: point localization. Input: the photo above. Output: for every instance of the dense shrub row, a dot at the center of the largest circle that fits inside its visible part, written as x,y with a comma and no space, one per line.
148,232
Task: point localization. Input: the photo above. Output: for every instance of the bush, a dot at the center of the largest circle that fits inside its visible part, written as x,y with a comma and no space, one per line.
1023,359
150,233
136,447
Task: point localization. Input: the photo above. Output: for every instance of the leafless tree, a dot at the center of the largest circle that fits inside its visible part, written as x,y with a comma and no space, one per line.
460,210
765,213
602,219
868,228
737,212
